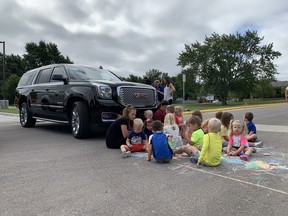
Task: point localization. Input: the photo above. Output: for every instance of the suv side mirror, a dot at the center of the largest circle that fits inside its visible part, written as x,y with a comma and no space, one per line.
60,78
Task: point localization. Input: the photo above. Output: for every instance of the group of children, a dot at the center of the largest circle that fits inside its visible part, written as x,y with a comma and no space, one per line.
203,141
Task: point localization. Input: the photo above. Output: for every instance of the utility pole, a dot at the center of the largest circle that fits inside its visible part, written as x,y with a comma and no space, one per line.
4,104
3,58
183,81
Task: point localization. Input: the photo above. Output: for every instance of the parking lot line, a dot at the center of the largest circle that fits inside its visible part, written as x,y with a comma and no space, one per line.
234,179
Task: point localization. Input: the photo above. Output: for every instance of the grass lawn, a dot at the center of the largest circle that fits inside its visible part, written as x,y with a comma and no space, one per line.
11,109
194,106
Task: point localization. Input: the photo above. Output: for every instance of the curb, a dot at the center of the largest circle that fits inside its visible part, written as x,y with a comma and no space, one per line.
235,108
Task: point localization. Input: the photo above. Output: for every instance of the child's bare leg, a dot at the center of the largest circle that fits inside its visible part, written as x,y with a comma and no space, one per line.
179,151
193,150
251,137
186,149
225,149
248,151
124,148
149,150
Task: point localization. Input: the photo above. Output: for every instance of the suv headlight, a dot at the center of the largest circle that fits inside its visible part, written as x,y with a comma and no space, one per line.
105,92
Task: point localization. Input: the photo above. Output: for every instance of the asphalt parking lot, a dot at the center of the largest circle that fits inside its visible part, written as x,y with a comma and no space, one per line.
45,171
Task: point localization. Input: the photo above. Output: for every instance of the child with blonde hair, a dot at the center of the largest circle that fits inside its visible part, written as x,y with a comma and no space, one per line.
148,114
204,125
211,151
171,128
178,114
136,140
238,143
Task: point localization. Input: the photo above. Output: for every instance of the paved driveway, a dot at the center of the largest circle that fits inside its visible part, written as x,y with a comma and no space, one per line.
45,171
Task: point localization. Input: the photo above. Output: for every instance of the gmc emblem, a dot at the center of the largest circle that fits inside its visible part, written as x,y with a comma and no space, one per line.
140,95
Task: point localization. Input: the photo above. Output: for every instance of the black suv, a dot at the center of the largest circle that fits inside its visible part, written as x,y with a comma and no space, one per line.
84,97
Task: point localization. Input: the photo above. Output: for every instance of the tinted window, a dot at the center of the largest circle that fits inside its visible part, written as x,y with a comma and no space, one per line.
44,76
27,78
58,71
89,73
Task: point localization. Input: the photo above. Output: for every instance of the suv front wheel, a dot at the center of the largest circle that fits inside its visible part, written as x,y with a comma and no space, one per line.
79,120
26,118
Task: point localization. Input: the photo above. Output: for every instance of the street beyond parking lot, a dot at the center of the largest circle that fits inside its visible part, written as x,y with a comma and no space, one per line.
45,171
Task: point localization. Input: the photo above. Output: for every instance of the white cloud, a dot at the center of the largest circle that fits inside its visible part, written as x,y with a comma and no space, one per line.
133,36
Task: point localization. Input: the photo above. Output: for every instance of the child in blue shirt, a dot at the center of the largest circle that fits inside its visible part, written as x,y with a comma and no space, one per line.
251,129
136,140
158,144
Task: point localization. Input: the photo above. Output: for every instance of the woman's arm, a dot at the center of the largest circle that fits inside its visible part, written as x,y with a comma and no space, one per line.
124,130
172,89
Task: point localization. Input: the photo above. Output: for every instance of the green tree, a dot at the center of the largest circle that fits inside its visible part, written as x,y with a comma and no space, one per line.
151,75
10,86
263,89
192,84
14,65
133,78
42,54
230,63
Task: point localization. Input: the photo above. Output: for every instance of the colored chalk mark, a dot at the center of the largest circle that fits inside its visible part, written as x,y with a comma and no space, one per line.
138,154
259,165
232,160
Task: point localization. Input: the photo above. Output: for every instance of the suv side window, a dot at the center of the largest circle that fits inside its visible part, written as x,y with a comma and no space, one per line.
58,71
44,76
27,78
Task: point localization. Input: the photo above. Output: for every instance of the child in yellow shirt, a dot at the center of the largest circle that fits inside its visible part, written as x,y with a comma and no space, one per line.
210,154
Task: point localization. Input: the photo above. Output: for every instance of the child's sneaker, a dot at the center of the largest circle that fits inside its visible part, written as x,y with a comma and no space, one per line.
194,158
258,144
125,154
244,157
128,153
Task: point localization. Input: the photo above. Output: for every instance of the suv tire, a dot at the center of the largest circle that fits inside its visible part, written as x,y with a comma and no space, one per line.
26,119
79,120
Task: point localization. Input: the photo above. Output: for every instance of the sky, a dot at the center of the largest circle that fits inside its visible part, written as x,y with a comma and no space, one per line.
134,36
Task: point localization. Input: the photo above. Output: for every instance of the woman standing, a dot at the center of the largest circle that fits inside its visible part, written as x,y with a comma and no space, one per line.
118,131
169,90
159,89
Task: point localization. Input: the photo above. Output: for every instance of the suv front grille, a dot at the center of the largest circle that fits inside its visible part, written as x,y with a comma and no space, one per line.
138,97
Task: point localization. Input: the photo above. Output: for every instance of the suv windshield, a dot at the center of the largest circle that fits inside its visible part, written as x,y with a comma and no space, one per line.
89,73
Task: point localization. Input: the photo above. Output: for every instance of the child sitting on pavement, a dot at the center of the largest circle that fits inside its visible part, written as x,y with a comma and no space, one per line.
188,133
225,122
178,114
252,137
196,139
148,114
238,143
218,115
204,126
136,140
211,151
170,109
171,128
148,128
158,144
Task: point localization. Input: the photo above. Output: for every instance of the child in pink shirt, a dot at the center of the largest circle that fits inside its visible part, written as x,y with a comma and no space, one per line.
238,143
